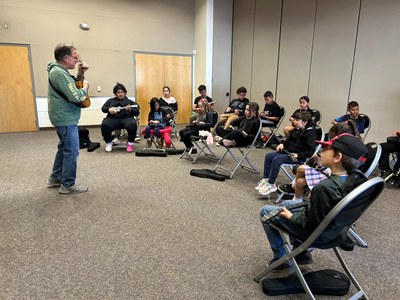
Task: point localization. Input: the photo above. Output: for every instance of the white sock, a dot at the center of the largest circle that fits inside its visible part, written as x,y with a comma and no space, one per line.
295,199
130,143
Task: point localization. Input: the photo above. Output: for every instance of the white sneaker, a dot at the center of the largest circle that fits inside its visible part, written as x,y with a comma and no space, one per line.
261,183
267,189
115,141
109,147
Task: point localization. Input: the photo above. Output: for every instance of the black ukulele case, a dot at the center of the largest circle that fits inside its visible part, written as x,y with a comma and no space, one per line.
322,282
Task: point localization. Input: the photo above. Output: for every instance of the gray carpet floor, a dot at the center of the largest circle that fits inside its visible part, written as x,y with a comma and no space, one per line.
146,229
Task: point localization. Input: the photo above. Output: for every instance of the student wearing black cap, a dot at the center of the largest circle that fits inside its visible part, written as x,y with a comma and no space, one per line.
343,154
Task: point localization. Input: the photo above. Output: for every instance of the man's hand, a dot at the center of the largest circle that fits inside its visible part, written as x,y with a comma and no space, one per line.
237,111
82,67
129,107
228,109
285,213
86,84
280,147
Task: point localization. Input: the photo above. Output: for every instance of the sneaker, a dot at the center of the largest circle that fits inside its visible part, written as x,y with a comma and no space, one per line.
137,139
75,189
160,144
109,147
115,141
267,189
52,182
261,183
149,142
286,188
129,147
347,245
283,267
304,258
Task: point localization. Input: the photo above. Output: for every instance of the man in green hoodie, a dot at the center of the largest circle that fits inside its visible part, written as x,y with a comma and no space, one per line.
64,113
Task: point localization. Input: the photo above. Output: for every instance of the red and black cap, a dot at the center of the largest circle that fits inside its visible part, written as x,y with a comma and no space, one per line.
347,144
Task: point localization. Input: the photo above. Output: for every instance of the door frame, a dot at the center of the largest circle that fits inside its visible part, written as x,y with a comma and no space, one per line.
28,46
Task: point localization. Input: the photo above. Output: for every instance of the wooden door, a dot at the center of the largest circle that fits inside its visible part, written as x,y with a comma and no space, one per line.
17,102
154,71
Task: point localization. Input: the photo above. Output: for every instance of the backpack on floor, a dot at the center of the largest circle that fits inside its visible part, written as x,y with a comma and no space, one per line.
322,282
84,141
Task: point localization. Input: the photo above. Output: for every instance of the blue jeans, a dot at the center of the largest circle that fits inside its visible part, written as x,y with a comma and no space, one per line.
272,163
275,238
64,168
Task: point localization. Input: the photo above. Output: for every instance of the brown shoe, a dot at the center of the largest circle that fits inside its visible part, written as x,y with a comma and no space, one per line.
149,142
160,144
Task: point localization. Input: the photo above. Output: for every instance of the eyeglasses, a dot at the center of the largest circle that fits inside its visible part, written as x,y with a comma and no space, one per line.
74,57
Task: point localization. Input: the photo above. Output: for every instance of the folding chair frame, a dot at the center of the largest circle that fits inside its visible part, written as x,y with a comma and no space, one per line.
360,199
201,143
244,151
272,129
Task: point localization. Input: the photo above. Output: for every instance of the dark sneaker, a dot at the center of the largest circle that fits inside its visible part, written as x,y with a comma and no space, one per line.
283,267
347,245
393,183
385,173
75,189
286,188
304,258
52,182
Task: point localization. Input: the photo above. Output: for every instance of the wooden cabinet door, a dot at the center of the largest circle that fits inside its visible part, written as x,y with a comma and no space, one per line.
17,102
154,71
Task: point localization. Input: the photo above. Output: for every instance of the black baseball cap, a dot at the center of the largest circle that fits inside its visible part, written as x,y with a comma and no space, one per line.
348,144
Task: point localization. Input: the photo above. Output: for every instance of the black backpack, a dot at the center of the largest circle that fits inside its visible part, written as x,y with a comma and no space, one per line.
84,141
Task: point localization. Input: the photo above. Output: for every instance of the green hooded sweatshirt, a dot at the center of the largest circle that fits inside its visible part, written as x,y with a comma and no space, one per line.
63,112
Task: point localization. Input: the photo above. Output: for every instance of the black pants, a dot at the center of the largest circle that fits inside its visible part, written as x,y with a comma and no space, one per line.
233,135
186,133
388,148
110,124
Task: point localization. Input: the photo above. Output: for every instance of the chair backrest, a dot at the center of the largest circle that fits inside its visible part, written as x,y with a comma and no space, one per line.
367,125
348,210
170,112
320,137
374,154
316,116
215,120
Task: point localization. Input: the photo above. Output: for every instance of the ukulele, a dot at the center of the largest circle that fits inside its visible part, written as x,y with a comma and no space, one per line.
85,103
266,218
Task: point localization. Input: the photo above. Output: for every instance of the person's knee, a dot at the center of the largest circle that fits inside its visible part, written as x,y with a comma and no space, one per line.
267,209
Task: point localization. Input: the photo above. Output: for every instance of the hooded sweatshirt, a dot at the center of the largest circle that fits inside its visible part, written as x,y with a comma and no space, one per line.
63,96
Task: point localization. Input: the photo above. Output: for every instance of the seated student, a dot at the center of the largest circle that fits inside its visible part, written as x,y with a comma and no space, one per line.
392,145
310,174
203,95
304,106
168,100
300,144
156,121
343,155
120,115
271,113
235,108
204,121
353,108
247,129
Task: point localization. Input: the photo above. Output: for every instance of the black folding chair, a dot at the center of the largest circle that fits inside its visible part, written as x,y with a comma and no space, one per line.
344,214
271,130
201,142
374,154
244,152
367,125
